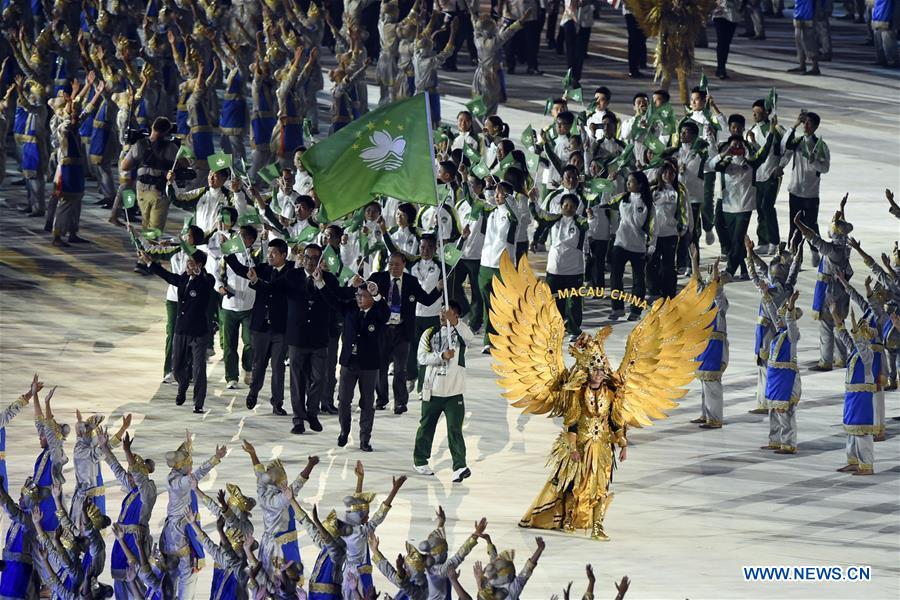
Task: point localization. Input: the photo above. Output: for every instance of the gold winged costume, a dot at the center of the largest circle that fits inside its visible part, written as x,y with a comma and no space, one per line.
675,24
597,404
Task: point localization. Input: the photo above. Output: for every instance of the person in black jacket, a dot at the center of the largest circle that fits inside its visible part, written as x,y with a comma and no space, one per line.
364,323
402,292
311,296
191,324
268,322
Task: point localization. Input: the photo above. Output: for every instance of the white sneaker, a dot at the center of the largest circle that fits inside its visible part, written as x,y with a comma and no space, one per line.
232,385
423,470
486,350
710,238
461,474
169,378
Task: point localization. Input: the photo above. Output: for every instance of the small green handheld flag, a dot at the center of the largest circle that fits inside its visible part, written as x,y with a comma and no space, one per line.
128,199
655,145
477,107
305,236
567,81
704,82
151,233
575,95
771,101
270,173
451,255
471,153
601,185
188,221
331,259
233,246
548,105
185,151
528,137
219,161
251,217
532,161
480,170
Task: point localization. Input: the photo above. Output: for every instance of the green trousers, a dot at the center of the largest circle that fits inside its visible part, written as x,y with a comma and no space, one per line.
454,410
171,312
570,308
485,285
767,219
230,321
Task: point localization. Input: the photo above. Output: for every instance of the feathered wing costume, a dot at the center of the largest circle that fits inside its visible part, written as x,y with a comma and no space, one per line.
660,360
676,25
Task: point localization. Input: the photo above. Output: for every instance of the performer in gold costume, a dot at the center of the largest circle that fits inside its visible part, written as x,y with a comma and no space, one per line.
597,404
676,25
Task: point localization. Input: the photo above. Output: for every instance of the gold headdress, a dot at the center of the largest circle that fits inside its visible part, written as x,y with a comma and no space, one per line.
139,465
98,519
504,564
103,20
87,427
590,355
783,311
238,500
359,502
235,538
895,256
65,38
181,457
313,12
860,330
67,539
840,226
414,558
31,491
331,523
275,473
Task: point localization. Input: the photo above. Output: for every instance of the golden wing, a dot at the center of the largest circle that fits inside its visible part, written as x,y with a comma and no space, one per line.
660,355
528,345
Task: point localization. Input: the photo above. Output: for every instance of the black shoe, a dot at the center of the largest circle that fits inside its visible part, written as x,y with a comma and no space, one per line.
534,72
251,402
74,239
400,410
365,447
298,429
101,202
636,75
342,440
314,424
277,410
329,409
198,410
179,400
380,406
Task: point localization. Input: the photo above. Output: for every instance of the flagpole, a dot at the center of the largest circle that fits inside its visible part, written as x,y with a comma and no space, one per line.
439,203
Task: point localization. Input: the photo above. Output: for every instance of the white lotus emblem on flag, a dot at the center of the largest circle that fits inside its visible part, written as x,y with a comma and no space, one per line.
385,153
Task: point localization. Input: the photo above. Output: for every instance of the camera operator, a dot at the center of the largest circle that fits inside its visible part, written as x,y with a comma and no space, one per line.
153,156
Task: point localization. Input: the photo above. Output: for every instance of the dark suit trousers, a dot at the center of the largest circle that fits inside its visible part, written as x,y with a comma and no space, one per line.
365,378
184,349
395,350
331,362
268,346
308,368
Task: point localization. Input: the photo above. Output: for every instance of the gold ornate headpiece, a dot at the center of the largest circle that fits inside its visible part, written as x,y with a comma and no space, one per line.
840,226
359,502
238,500
331,523
860,330
139,465
589,353
235,538
181,457
275,473
414,558
96,517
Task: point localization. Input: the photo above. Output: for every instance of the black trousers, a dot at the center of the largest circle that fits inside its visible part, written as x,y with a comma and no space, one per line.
724,34
661,276
638,260
523,46
331,362
576,47
736,225
185,350
596,270
308,369
365,379
807,208
268,347
393,350
637,45
552,17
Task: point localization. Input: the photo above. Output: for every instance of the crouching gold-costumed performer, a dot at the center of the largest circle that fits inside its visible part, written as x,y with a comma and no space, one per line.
597,404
